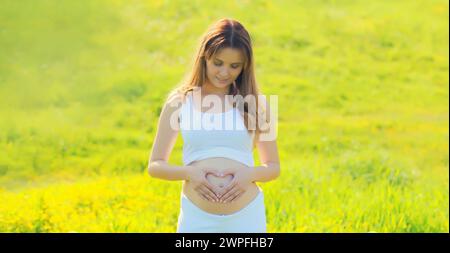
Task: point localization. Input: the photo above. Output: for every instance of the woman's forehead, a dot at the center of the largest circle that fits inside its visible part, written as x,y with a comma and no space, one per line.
229,55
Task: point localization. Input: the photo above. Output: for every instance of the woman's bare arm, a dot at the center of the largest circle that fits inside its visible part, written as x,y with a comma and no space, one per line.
166,136
270,164
268,150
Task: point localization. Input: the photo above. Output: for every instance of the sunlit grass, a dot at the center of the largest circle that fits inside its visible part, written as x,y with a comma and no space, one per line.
363,112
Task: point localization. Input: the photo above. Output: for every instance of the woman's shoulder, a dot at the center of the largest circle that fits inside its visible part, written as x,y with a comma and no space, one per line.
171,108
262,102
175,98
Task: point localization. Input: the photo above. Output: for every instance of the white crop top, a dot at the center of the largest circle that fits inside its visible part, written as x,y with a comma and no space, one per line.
207,135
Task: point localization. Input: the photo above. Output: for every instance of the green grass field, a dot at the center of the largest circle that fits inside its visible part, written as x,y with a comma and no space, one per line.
363,111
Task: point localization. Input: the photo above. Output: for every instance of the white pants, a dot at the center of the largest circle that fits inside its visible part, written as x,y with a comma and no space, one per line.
250,219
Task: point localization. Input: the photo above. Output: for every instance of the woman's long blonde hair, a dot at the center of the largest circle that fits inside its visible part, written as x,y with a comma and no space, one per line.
226,33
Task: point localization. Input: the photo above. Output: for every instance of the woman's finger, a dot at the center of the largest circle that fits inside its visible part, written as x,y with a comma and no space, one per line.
205,197
210,193
204,194
215,172
238,196
226,193
208,185
230,195
229,171
228,188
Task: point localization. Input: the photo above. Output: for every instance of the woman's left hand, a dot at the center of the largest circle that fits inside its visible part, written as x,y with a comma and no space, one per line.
242,178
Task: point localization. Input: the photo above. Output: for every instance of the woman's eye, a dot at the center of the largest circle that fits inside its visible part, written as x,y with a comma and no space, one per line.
220,64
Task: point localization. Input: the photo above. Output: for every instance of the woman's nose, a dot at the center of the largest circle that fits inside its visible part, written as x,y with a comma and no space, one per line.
223,73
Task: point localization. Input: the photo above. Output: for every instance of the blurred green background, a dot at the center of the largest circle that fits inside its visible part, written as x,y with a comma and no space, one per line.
363,111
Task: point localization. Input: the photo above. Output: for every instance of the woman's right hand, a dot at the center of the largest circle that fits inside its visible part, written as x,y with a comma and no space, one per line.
197,176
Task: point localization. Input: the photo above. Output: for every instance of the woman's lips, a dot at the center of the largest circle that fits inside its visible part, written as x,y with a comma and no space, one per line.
222,81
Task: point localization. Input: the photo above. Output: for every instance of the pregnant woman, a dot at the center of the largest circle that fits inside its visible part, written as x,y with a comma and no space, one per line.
219,192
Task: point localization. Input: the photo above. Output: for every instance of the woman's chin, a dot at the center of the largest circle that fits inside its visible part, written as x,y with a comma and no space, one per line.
221,85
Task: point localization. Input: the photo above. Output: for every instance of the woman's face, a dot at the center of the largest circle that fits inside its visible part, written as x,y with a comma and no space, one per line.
224,67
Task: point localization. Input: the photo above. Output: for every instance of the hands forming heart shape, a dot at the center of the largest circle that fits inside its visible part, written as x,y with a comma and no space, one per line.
222,186
219,181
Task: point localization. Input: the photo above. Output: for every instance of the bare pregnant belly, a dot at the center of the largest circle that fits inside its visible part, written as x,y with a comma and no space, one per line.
220,163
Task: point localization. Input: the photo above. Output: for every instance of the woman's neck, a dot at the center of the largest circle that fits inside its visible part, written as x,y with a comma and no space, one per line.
208,88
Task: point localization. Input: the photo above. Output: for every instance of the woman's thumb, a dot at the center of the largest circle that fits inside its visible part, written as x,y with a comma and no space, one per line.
214,171
228,171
